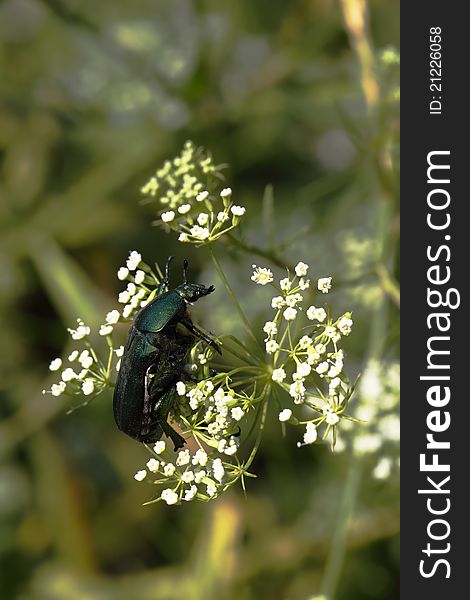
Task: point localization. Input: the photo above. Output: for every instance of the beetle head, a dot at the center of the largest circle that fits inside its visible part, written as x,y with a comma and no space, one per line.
190,292
193,291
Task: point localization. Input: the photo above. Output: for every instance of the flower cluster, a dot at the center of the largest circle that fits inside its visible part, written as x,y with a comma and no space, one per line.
88,371
307,365
187,476
84,373
191,201
210,411
378,409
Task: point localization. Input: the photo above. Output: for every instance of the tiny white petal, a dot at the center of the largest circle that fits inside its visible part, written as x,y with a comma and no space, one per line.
167,216
140,475
87,387
56,364
123,273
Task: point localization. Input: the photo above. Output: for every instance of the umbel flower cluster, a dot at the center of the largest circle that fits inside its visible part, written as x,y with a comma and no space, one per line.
221,403
190,198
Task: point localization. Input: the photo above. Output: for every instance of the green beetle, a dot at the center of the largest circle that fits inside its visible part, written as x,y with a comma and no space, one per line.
153,361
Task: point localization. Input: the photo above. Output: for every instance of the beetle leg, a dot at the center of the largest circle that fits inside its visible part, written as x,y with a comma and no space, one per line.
159,421
186,321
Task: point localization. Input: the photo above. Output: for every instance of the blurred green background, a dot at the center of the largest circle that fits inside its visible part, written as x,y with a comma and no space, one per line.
94,96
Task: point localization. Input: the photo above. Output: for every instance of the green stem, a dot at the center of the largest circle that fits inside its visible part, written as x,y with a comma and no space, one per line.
262,422
267,254
233,298
339,541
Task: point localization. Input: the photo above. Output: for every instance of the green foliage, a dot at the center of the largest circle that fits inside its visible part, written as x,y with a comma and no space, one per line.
94,96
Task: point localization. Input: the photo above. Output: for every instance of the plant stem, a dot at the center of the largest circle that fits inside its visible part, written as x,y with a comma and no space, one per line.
339,541
239,309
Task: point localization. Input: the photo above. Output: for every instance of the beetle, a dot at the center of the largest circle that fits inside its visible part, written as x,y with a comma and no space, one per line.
153,361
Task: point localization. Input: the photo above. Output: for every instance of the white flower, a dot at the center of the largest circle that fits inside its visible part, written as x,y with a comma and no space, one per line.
318,314
180,388
167,216
187,477
383,468
68,375
133,260
301,269
56,364
131,288
304,284
332,333
153,465
293,299
344,324
290,313
199,476
303,370
169,496
211,489
81,331
58,388
277,302
200,233
202,196
332,418
106,330
184,208
124,297
222,217
113,317
225,192
88,386
73,356
324,284
285,415
304,342
261,275
123,273
272,346
335,382
183,458
140,475
297,391
278,375
190,494
322,368
218,470
237,413
119,351
270,328
310,434
139,277
285,284
238,211
127,311
159,447
183,237
200,458
169,469
334,372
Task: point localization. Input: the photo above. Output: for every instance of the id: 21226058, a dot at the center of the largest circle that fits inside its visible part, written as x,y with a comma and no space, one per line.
435,70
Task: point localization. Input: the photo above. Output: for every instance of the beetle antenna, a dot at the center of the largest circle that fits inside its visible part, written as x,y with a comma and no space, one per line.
185,270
